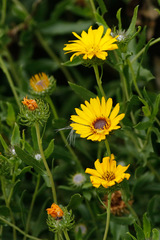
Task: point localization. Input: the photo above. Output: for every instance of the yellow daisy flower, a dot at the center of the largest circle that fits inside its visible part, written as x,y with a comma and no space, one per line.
106,173
96,120
92,44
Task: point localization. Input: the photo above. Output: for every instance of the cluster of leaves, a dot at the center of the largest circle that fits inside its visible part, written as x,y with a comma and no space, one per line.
32,37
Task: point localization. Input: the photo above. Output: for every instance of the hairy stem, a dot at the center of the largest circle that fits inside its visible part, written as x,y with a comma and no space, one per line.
45,163
108,217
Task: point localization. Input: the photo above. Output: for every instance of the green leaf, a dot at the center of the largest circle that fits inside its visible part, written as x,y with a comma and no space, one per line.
146,226
102,6
155,234
75,62
75,201
118,15
143,125
29,160
131,28
156,106
49,149
100,20
131,236
4,211
15,140
4,144
62,28
123,220
81,91
139,232
10,115
87,195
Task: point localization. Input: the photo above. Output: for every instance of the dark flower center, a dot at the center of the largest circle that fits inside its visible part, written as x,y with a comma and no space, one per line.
109,176
100,123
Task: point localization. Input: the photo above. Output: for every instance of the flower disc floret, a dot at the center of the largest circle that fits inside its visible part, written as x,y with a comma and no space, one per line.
96,119
92,44
106,173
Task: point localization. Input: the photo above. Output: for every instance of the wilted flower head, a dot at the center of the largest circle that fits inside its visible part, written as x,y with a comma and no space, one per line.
42,85
92,44
118,206
106,173
96,119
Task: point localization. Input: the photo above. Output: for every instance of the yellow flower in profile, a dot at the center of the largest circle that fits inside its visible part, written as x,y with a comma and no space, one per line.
106,173
92,44
96,120
41,84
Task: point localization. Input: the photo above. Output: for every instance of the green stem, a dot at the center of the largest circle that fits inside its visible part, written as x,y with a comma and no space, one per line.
66,235
108,217
18,229
13,68
153,171
53,55
143,49
99,82
93,217
31,207
8,205
93,7
133,213
13,181
45,162
4,69
134,78
3,11
107,147
62,134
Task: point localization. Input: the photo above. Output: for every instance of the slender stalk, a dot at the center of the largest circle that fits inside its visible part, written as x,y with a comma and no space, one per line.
13,181
93,6
133,213
31,207
8,206
134,78
143,49
45,162
66,235
107,147
53,55
99,82
108,217
62,134
13,68
153,170
4,69
3,11
18,229
93,217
